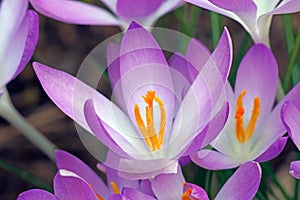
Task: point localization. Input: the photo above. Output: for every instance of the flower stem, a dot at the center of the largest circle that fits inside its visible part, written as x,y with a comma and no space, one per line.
208,178
9,113
292,62
267,169
216,31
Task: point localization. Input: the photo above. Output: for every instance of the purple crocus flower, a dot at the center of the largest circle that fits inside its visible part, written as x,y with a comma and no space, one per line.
75,177
243,184
253,131
254,15
291,120
18,38
150,130
143,11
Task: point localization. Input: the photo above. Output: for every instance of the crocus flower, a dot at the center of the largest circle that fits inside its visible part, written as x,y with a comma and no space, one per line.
149,132
75,180
253,131
254,15
74,12
243,184
19,35
291,120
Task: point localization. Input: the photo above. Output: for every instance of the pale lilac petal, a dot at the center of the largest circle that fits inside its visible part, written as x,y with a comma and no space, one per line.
258,74
103,132
197,54
71,187
31,41
140,169
65,160
243,184
138,47
274,127
295,169
131,9
196,108
210,6
168,186
286,6
273,151
112,175
197,192
70,95
36,194
21,48
213,160
118,197
291,119
135,194
222,55
12,13
74,12
210,132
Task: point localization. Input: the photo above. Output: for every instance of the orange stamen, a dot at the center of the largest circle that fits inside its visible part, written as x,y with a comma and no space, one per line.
152,139
97,195
242,134
115,187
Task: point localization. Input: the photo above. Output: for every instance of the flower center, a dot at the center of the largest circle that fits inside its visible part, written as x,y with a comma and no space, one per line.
153,139
241,134
187,194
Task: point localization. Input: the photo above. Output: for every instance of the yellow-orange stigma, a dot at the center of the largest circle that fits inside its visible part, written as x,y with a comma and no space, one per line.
97,195
115,187
187,194
241,134
152,139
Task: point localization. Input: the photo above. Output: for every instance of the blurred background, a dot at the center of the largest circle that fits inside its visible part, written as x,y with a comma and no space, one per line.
64,46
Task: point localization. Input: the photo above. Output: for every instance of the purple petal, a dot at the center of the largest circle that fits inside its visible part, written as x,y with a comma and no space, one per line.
36,194
291,119
213,160
295,169
100,130
286,6
258,74
235,5
135,194
145,187
31,41
243,184
74,12
168,186
72,187
131,9
273,151
65,160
